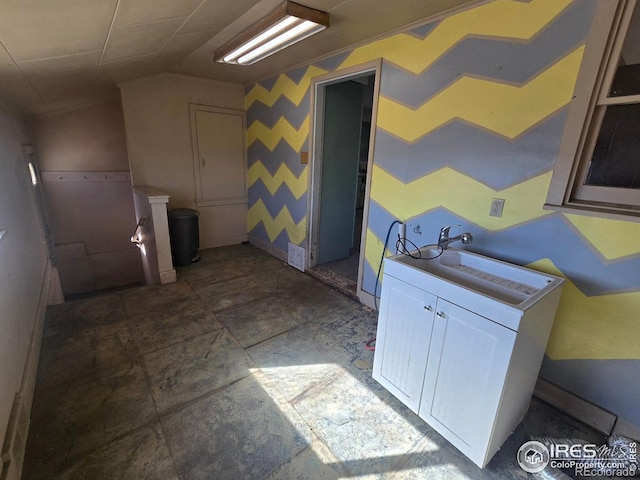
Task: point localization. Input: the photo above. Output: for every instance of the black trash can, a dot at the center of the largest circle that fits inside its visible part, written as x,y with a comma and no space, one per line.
184,235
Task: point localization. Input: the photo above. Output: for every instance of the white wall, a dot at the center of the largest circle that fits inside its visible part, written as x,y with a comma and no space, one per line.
91,218
159,144
89,138
23,260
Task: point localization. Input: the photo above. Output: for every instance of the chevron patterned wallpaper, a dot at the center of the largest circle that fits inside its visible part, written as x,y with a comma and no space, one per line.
471,108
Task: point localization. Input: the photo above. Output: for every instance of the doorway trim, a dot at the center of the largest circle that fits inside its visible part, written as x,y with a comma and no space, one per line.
316,132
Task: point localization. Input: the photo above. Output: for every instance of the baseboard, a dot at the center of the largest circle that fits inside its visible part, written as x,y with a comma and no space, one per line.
15,441
576,407
269,248
627,429
55,295
168,276
366,299
223,240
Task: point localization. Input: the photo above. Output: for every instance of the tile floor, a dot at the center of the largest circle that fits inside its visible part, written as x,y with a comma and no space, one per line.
244,369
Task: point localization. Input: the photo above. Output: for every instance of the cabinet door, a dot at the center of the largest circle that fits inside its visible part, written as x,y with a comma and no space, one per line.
465,375
402,344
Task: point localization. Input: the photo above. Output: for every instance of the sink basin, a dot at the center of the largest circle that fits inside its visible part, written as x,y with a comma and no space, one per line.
487,276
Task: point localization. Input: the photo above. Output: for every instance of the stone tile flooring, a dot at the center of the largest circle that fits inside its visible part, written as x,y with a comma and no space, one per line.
244,369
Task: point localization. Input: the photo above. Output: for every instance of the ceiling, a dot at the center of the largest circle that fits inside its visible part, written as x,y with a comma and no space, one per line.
62,54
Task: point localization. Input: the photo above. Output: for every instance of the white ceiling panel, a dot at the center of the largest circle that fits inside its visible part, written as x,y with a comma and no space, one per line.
21,97
17,92
208,69
33,29
133,12
139,40
183,45
60,69
127,69
216,15
324,5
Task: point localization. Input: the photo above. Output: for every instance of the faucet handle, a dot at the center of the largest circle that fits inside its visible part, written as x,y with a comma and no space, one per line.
444,231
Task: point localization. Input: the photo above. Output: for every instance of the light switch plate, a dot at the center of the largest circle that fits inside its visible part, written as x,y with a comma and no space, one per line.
497,205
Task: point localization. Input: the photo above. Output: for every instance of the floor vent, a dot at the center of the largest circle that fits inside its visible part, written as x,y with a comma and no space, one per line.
295,256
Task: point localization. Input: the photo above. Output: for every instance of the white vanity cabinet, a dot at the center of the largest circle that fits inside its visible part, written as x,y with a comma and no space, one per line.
465,362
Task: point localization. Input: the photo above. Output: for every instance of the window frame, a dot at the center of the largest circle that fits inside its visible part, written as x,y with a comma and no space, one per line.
602,51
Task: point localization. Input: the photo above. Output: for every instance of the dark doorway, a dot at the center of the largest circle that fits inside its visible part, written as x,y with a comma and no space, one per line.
342,186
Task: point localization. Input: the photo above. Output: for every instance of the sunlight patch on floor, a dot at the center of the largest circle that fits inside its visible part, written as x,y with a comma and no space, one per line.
362,429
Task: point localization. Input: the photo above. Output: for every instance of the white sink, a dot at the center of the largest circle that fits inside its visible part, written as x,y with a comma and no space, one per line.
505,282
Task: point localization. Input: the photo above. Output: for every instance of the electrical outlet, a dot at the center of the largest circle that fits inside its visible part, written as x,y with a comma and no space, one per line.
497,205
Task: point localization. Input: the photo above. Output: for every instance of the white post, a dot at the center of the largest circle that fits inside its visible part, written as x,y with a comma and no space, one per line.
154,242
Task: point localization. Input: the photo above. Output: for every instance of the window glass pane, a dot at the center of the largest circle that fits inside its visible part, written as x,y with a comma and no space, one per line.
627,78
616,157
626,81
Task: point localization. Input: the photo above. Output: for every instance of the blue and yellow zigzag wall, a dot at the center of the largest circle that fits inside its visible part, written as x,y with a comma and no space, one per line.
471,108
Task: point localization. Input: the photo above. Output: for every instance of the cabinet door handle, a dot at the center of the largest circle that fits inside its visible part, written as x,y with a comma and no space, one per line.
428,308
203,162
440,314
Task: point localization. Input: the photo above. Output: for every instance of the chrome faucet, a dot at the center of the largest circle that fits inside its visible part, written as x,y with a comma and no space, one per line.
444,240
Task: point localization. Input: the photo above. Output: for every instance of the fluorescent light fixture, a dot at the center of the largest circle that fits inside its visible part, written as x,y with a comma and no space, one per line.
284,26
253,43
